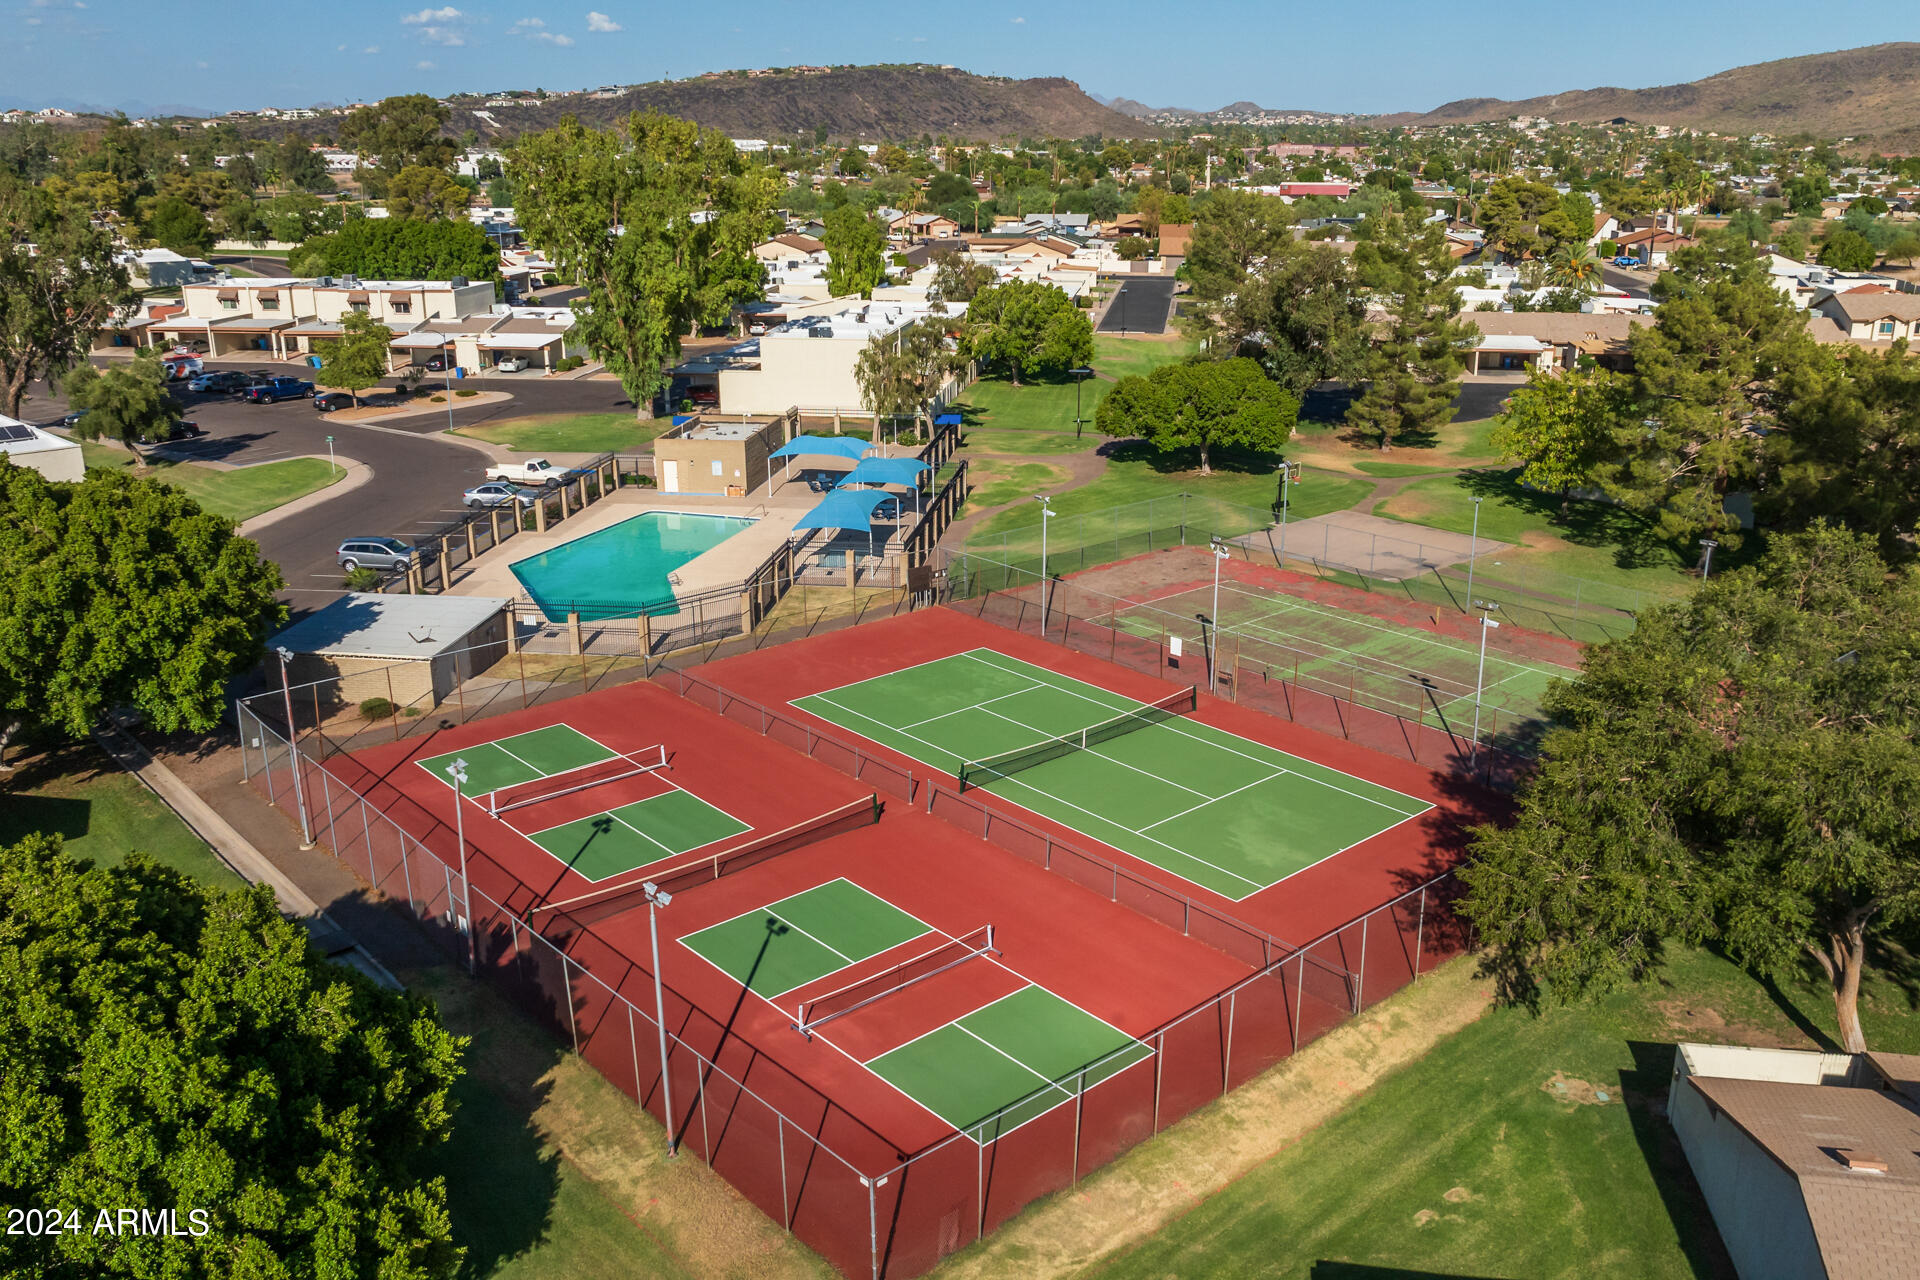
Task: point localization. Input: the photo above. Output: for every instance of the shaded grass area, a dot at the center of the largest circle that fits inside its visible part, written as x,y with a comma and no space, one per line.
1118,357
1616,556
1029,443
569,433
1047,403
1390,469
1522,1145
239,494
101,812
997,480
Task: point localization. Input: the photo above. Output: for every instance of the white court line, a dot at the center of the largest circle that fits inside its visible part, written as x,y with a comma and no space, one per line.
1277,773
1175,726
972,706
1046,738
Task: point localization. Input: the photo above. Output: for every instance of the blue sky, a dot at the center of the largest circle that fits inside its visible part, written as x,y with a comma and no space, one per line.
1383,55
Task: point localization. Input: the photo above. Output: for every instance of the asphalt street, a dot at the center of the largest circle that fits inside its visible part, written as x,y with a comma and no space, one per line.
1141,306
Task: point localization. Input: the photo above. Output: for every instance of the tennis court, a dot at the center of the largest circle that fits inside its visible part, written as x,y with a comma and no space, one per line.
1377,660
1005,1062
535,783
1222,811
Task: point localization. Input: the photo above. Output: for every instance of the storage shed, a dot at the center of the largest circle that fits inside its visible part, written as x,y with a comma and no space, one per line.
413,650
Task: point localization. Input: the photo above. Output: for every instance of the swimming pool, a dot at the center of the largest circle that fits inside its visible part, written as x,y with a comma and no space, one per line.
621,571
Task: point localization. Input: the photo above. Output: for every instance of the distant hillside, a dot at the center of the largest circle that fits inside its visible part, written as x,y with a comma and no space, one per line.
865,103
1871,93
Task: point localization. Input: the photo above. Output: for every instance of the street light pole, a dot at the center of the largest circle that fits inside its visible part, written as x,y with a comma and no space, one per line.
1480,680
293,750
1079,376
458,772
1220,553
1287,471
657,898
1706,565
1046,582
1473,547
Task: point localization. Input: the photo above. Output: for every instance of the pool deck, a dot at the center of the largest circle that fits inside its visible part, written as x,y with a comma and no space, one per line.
724,566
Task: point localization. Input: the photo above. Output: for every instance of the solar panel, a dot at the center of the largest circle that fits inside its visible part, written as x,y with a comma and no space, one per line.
15,431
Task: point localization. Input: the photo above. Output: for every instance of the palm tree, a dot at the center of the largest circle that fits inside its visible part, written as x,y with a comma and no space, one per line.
1575,266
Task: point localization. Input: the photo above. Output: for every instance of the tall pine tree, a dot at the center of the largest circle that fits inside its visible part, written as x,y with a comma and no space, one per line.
1413,371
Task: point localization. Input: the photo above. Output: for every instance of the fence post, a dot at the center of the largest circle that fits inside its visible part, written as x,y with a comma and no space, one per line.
1159,1060
1419,933
1079,1109
786,1201
633,1047
366,833
326,798
406,872
1360,993
566,978
1299,998
1226,1059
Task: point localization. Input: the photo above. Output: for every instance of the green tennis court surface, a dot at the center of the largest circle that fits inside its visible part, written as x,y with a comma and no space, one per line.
988,1072
801,939
1381,662
1222,811
523,757
638,834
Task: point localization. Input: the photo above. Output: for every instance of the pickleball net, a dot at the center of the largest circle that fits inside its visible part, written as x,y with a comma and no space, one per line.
978,773
841,1001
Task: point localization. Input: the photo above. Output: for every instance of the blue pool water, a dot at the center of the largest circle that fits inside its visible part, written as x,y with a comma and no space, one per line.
621,571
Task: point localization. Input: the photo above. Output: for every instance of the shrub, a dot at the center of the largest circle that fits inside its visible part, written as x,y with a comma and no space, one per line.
437,398
645,481
363,579
549,279
377,709
466,392
567,364
411,712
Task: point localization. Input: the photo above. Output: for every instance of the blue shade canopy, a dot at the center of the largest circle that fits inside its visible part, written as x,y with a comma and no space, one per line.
844,509
947,420
822,446
904,471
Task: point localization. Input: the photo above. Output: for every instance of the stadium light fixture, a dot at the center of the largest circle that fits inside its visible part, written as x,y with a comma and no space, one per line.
1046,582
657,898
1221,552
458,772
293,747
1487,624
1706,563
1289,474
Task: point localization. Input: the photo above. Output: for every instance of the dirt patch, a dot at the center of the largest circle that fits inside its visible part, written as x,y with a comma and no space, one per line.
1709,1026
1425,1218
1457,1195
1163,1178
1573,1089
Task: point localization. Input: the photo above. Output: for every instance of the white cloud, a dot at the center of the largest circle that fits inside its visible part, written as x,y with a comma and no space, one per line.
372,48
550,38
423,66
425,16
441,26
601,23
1019,20
340,48
532,29
201,65
530,22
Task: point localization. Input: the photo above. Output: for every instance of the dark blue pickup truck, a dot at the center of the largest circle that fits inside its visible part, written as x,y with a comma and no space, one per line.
274,390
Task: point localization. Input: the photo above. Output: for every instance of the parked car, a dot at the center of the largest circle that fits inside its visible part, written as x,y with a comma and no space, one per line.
179,367
185,429
274,390
536,471
704,395
73,419
439,364
226,380
512,364
1624,261
331,400
377,553
498,493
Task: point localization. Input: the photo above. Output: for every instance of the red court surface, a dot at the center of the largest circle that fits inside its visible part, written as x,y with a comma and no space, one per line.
1299,909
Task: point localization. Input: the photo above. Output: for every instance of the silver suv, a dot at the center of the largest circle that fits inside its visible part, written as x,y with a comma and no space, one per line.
375,553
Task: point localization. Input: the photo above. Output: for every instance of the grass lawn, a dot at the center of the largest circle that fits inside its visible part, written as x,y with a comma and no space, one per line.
569,433
1386,470
239,494
1613,552
1522,1145
996,481
1029,442
101,813
1047,404
1119,357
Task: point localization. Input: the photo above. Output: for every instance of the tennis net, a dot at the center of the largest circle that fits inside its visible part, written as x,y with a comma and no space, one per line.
841,1001
551,786
977,773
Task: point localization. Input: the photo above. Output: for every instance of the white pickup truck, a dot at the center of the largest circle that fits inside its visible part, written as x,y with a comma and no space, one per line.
534,471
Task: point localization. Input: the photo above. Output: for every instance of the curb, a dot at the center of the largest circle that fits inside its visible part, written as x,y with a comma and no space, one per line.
357,474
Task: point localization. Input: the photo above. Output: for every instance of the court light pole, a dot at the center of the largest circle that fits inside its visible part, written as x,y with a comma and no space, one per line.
1480,681
657,898
1220,553
1288,470
1046,583
293,749
1473,547
458,772
1706,564
1079,376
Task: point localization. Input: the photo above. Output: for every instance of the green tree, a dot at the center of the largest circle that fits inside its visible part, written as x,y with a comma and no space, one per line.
856,259
400,131
1132,248
1741,769
301,166
419,192
1847,250
165,1044
615,208
122,592
124,402
900,373
1413,370
1202,405
957,277
1560,428
179,226
402,249
1848,450
56,292
1030,326
1300,315
1576,267
357,359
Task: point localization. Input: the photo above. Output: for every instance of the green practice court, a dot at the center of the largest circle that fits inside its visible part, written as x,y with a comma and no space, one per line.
986,1072
1337,650
1222,811
611,842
